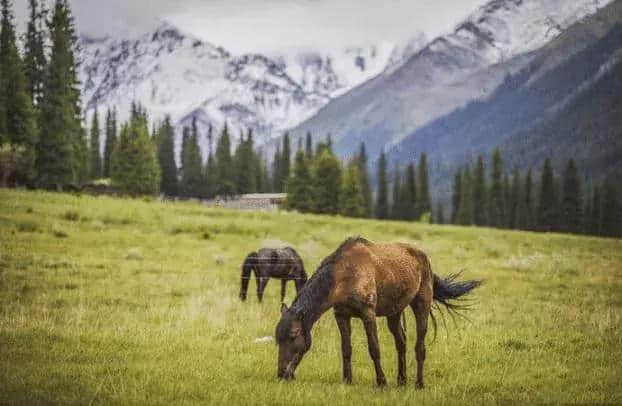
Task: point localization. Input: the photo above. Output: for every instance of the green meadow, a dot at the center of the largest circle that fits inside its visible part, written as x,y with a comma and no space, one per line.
118,301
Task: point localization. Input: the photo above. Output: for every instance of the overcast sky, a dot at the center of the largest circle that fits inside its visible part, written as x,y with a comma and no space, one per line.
273,25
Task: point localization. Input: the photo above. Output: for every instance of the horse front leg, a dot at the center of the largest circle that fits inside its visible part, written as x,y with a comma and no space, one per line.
283,289
369,321
343,322
262,281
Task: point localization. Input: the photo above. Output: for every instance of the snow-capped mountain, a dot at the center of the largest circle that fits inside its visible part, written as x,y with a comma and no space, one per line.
450,71
171,72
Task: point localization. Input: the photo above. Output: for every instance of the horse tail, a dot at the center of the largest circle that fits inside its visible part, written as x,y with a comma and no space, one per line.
448,290
249,265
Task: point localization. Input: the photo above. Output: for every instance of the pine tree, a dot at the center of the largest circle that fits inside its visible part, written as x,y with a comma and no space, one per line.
480,208
192,182
611,223
496,199
409,195
515,197
465,211
96,161
34,55
61,151
17,117
571,205
111,139
396,212
299,185
309,146
456,195
382,200
210,177
166,158
547,204
423,195
134,163
364,175
351,199
224,165
327,184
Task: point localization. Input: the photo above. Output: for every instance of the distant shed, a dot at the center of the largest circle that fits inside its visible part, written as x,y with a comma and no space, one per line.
252,201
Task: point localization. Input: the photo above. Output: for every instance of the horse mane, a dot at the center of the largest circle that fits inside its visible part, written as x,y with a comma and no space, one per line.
309,300
334,257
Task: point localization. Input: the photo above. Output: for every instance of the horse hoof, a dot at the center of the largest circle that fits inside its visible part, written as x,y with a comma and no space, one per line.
419,385
401,381
381,382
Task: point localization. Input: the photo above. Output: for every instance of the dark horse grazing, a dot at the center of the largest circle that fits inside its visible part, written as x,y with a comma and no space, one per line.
366,280
282,263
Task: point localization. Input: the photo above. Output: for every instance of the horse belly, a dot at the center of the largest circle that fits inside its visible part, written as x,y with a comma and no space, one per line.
394,295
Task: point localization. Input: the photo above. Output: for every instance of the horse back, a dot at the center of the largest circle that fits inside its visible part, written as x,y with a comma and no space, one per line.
386,277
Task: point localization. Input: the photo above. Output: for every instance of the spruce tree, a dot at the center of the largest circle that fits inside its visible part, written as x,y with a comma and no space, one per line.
423,194
224,165
526,211
111,139
134,163
515,197
285,163
496,199
244,161
326,184
507,199
382,200
17,117
191,184
351,199
34,55
409,195
210,177
96,161
440,215
547,203
456,194
277,173
480,207
611,222
166,158
396,212
309,146
465,211
596,215
299,185
571,220
61,151
364,175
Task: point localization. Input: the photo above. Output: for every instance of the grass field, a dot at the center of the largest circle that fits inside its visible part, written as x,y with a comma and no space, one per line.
135,302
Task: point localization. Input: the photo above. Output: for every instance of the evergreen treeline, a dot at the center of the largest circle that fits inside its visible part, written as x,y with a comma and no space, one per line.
516,202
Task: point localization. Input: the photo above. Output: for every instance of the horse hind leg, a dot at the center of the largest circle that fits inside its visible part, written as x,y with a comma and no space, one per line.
400,345
369,322
421,306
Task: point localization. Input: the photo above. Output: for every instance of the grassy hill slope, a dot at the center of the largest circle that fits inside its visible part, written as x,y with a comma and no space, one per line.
135,302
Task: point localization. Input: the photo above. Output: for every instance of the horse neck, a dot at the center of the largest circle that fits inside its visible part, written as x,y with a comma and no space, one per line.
313,299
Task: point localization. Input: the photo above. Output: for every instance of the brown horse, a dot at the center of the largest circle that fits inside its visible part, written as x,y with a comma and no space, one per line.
366,280
281,263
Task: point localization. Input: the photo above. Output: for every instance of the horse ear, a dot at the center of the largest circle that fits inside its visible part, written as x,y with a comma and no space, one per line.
283,308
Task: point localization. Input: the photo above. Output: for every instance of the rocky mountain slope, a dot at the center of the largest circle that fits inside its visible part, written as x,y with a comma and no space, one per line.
452,70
